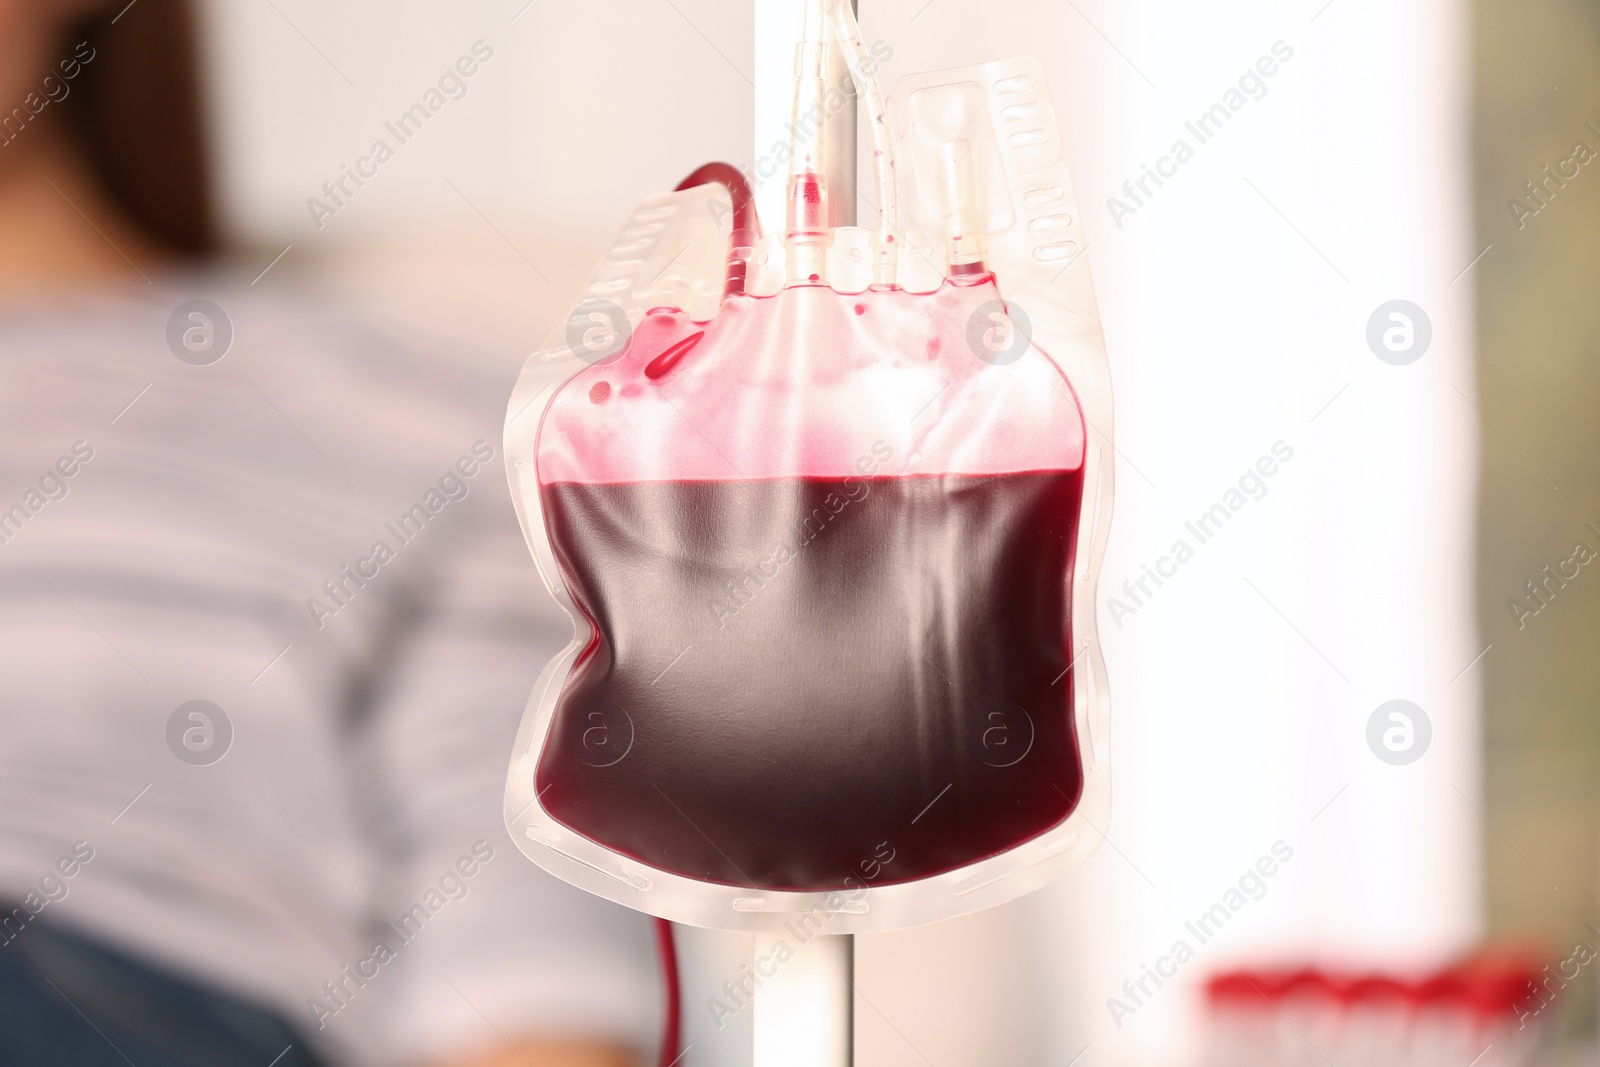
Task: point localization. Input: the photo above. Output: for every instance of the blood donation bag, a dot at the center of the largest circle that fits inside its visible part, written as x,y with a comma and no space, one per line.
814,609
826,508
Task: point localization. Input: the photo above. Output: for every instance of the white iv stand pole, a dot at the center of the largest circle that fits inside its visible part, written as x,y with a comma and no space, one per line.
804,1011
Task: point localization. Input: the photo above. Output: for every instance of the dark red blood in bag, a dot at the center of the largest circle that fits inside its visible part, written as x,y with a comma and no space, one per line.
793,680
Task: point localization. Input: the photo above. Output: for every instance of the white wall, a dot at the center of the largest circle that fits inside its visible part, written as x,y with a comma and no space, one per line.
1236,302
583,110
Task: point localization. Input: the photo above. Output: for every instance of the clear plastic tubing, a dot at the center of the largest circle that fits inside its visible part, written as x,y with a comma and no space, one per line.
885,246
806,233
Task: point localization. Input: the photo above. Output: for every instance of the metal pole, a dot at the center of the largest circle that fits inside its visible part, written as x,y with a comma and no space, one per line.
778,25
805,1005
718,1028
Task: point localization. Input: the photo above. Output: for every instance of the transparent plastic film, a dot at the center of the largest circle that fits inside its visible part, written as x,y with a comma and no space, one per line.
829,546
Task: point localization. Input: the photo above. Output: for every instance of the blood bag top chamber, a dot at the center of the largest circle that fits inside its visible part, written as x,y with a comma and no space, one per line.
827,509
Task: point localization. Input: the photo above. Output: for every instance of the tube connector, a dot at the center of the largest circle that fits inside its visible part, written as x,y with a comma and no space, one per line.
806,242
966,249
806,232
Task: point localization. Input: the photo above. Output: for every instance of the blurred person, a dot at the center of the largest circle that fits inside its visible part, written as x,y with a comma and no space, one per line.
268,626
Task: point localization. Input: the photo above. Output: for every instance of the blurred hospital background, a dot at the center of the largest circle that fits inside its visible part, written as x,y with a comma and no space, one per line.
1368,880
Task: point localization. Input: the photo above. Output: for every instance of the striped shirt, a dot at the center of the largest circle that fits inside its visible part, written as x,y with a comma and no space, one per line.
268,628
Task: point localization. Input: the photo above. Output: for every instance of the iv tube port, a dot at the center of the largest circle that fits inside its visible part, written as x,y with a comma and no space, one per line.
806,233
966,252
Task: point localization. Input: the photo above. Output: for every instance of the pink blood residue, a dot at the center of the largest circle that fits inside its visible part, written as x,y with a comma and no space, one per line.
663,363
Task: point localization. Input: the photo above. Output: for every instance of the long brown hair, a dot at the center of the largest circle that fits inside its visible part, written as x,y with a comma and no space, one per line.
138,116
